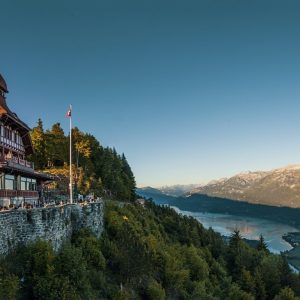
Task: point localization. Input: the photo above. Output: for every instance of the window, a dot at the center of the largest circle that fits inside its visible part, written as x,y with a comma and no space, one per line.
23,184
10,182
2,179
7,133
28,184
17,137
32,185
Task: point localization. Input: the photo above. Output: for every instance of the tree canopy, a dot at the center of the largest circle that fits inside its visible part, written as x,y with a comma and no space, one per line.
97,169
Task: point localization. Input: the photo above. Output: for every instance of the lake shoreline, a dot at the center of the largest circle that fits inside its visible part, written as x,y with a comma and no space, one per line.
293,255
283,215
292,238
204,203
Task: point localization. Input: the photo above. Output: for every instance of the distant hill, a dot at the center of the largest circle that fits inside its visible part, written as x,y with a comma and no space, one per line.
178,189
279,187
155,194
148,189
171,190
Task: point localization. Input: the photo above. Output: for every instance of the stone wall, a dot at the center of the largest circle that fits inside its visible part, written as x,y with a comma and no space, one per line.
54,224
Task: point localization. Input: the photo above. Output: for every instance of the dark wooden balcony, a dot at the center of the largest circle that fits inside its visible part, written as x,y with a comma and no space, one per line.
17,163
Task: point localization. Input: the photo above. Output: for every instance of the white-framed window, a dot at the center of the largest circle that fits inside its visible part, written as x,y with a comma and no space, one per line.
28,184
9,182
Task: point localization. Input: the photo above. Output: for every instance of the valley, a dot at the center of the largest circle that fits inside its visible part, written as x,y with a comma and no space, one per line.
277,224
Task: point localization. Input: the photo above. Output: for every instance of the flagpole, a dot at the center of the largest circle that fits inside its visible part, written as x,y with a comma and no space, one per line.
71,174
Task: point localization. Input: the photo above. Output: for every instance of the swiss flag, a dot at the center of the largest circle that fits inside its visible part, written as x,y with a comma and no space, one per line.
69,113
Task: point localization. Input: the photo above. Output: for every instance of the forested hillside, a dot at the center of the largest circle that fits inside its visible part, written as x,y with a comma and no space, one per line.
147,252
97,169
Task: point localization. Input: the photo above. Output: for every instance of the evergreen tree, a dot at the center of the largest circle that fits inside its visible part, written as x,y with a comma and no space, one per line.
247,282
286,294
270,271
39,144
234,256
260,286
56,146
262,245
128,177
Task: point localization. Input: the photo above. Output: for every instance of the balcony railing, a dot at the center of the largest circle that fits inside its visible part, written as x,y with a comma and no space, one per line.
18,193
16,162
11,144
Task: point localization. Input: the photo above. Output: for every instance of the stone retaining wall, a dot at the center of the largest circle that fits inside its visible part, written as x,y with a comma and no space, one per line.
55,224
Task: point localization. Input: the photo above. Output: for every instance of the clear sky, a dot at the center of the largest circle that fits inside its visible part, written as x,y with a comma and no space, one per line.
189,90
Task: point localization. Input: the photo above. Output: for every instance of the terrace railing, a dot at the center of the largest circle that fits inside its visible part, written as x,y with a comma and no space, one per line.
18,163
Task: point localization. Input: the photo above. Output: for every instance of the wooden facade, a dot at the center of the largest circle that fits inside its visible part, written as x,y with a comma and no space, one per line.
19,182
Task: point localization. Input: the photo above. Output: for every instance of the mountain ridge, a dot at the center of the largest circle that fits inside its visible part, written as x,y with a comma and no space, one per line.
175,190
277,187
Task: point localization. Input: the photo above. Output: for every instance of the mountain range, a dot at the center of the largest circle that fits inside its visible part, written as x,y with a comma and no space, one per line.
175,190
278,187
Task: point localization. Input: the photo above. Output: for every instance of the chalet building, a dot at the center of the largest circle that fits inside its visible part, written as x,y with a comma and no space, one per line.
19,183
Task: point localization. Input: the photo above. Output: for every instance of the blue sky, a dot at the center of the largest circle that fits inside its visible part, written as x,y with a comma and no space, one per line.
189,90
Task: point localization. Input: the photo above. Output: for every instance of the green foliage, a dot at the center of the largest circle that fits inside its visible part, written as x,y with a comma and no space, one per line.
9,285
235,293
270,270
155,291
262,245
39,144
286,294
97,170
143,255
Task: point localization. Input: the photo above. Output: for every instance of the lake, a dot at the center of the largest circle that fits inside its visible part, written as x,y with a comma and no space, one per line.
250,227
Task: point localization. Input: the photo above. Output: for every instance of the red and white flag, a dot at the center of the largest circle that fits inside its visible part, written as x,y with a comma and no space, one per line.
69,113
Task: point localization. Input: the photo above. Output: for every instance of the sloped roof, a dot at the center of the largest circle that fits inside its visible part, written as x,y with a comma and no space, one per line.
3,85
12,119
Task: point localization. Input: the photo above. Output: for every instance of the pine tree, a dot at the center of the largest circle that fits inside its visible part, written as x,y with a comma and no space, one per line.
39,145
247,282
262,245
286,294
235,257
128,177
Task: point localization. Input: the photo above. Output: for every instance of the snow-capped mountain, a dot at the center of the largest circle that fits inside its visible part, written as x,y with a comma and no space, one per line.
178,189
170,190
279,187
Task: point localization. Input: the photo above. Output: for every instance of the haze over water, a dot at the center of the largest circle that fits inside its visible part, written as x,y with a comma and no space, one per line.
250,228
